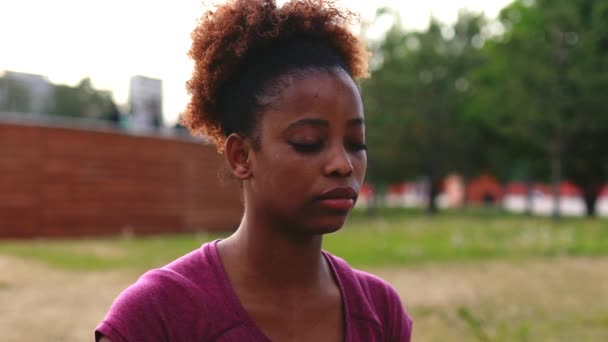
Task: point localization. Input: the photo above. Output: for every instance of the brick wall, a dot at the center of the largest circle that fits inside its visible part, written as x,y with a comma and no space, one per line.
70,182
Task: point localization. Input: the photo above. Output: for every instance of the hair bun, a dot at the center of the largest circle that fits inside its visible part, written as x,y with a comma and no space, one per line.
223,38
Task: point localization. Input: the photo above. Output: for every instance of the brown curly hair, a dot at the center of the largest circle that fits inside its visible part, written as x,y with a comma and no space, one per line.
239,36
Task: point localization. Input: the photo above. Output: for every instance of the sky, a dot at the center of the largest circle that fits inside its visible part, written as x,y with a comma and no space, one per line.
112,40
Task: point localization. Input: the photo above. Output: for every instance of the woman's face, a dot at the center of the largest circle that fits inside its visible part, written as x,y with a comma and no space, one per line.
310,165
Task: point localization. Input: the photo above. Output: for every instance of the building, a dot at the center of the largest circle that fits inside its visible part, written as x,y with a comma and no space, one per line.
407,195
27,93
516,197
145,101
366,197
453,194
601,207
484,190
538,199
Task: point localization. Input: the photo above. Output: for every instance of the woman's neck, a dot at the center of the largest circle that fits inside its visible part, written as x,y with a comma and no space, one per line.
268,257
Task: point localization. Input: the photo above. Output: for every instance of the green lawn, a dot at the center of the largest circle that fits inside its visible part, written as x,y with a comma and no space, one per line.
390,237
139,253
396,237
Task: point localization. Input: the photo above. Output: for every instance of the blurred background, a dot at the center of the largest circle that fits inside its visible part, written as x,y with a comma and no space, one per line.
486,197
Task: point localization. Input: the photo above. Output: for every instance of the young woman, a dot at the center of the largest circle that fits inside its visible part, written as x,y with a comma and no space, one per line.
275,88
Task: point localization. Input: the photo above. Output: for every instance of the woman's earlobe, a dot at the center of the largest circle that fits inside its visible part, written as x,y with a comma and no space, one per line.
236,153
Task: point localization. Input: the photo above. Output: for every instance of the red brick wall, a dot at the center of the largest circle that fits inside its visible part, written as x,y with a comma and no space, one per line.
67,182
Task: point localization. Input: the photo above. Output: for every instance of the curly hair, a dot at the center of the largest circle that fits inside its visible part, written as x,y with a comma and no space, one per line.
243,46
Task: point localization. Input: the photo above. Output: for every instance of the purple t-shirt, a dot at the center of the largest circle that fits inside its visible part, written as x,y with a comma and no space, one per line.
191,299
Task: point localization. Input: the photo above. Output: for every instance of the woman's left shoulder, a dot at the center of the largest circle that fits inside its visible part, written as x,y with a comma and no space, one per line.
372,286
379,292
371,295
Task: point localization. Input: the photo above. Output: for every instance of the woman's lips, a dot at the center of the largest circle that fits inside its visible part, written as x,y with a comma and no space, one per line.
342,204
340,198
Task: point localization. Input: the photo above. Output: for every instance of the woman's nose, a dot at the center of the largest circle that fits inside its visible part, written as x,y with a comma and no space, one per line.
339,163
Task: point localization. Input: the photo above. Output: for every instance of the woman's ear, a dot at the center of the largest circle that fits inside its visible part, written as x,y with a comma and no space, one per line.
236,152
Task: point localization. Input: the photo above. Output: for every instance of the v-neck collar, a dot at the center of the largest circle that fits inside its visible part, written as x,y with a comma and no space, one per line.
232,298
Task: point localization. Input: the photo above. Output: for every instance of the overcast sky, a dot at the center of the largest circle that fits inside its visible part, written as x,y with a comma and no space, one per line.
112,40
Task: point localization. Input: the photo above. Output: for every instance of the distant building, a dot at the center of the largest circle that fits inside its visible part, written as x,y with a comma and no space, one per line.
366,197
516,197
407,195
484,190
601,206
22,92
540,199
453,194
145,101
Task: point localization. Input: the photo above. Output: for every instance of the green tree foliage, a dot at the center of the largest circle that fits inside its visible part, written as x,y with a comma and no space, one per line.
412,101
522,98
542,86
80,101
83,101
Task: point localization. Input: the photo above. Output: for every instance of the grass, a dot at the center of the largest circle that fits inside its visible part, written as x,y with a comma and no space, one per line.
560,299
139,253
389,237
396,237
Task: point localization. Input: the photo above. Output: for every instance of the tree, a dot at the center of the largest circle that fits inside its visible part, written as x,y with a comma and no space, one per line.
542,83
83,101
412,103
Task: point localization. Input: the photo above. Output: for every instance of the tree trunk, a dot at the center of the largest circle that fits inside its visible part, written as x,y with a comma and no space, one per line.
465,192
590,195
529,196
432,208
467,175
556,149
433,160
556,178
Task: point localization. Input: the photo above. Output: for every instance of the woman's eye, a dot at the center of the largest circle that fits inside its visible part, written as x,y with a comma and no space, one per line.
307,148
357,147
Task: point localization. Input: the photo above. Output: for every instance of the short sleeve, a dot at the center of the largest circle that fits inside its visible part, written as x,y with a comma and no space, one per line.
137,313
401,323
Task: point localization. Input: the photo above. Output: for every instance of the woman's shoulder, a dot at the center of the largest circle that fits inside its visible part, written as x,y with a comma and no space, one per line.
165,300
371,285
191,275
188,272
373,298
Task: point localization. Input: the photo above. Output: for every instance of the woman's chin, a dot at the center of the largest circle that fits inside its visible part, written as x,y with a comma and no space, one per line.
326,226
